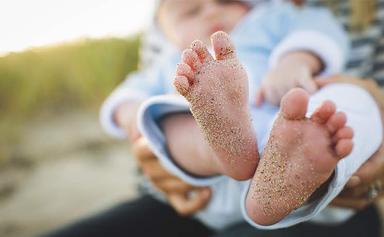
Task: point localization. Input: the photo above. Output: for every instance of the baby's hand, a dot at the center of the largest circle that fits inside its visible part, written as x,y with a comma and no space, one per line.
125,117
294,70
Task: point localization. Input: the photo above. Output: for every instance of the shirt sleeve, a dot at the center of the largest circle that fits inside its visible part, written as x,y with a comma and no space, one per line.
136,87
315,30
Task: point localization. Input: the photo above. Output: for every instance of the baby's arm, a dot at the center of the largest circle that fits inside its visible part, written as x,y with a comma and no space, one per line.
125,117
187,146
119,111
315,35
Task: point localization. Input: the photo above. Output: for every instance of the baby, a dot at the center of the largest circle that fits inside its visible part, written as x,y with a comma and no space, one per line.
301,153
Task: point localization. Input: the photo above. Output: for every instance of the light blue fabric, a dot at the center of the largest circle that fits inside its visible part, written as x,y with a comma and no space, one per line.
223,209
255,38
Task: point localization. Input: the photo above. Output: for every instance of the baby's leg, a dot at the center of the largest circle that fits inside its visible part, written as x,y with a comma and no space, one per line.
217,90
187,145
301,154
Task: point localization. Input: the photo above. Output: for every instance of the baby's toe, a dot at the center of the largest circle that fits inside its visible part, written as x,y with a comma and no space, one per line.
182,85
343,133
324,112
183,69
343,147
201,51
336,122
294,104
190,58
223,46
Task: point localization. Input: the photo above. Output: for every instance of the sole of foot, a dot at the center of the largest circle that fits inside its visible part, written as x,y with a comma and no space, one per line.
301,154
217,90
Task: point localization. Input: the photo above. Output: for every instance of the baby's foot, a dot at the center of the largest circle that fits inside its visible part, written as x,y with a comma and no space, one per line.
217,90
300,155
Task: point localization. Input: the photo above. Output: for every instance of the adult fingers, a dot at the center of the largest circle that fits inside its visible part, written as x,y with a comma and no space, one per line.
354,203
324,81
363,189
162,179
172,185
321,82
353,182
359,191
186,204
154,170
141,150
369,85
371,169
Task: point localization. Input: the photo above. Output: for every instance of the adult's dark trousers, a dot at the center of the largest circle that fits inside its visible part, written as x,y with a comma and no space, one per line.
147,216
365,223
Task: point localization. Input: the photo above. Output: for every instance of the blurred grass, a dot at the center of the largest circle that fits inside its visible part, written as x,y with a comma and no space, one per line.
72,76
79,75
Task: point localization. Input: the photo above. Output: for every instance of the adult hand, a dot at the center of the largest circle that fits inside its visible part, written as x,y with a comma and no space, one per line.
184,198
367,184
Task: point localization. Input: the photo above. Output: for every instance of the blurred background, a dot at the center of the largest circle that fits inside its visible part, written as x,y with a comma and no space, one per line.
58,62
